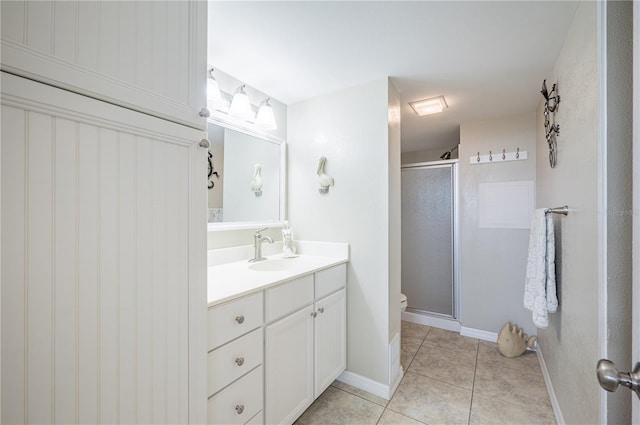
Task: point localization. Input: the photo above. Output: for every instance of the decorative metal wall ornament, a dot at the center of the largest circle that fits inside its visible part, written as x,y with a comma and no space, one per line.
551,102
211,172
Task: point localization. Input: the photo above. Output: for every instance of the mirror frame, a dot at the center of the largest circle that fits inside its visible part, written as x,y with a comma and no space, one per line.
224,122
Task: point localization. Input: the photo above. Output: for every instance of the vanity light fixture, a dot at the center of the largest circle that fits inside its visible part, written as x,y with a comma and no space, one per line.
430,106
214,97
265,118
240,105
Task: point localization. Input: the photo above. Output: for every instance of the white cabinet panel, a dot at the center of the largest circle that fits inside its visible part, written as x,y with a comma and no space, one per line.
148,56
289,367
289,297
238,403
231,361
330,340
330,280
234,318
103,306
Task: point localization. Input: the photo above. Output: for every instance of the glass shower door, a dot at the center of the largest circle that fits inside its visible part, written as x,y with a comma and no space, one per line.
427,239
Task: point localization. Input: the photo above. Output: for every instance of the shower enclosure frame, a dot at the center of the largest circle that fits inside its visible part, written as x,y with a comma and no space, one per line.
455,239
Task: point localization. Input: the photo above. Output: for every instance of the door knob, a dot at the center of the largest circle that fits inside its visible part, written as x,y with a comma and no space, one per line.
204,143
204,113
610,377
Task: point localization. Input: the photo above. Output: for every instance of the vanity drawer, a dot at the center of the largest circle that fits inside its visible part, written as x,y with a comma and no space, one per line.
330,280
238,403
230,320
289,297
231,361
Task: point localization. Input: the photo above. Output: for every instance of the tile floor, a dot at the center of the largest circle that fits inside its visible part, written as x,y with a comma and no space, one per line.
449,379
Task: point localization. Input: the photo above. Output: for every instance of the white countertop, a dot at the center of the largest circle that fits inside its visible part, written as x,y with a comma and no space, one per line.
234,279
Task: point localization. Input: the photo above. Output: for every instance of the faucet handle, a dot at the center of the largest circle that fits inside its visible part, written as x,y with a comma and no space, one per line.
259,232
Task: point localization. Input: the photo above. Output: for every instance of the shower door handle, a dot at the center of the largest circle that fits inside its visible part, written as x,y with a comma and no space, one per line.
610,377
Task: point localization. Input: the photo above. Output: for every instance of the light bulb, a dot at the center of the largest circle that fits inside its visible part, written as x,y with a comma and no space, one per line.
265,117
240,105
214,98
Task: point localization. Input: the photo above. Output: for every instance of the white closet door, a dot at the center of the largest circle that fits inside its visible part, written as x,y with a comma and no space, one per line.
103,262
145,55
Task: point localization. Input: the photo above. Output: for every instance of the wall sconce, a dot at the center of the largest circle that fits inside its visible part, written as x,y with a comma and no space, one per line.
240,105
323,178
552,129
265,118
256,184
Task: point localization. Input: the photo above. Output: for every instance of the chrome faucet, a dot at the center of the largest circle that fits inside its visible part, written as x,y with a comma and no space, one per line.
258,239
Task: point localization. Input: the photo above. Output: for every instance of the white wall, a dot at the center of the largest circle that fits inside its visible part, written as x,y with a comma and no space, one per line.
570,343
395,228
426,155
351,129
493,261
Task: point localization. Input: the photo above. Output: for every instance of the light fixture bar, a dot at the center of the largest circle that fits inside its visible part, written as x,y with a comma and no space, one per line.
433,105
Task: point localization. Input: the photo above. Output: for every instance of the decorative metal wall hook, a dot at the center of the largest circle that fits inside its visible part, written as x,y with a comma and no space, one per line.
551,102
211,172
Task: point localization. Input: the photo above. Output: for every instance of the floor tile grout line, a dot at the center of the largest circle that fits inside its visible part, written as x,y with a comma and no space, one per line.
473,385
405,415
360,397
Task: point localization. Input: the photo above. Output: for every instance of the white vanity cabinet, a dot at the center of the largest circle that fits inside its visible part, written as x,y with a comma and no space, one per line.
144,55
305,350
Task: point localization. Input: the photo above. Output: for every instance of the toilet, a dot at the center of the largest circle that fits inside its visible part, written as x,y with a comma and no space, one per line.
403,302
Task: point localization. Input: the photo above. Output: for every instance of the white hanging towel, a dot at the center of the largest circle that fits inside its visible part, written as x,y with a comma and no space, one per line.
540,283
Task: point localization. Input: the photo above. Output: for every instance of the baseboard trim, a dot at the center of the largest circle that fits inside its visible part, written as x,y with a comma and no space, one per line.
436,322
366,384
394,387
479,334
547,381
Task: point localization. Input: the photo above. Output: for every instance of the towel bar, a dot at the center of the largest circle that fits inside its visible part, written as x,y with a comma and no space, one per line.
558,210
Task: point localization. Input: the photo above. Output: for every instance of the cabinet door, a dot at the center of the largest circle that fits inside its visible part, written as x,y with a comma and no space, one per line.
103,262
149,56
330,340
289,367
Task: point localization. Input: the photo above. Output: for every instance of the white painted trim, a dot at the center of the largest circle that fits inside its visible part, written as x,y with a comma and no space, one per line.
602,195
243,225
457,292
479,333
197,327
436,322
552,394
396,384
365,384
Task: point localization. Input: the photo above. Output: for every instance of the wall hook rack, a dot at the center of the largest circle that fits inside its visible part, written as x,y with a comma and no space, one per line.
518,155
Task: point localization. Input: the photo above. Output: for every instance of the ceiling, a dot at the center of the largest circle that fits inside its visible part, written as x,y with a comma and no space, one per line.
487,58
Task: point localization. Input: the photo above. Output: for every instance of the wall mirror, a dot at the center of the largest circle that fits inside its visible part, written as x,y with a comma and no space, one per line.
246,178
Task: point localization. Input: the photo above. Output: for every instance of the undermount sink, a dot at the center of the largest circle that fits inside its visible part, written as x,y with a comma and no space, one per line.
276,265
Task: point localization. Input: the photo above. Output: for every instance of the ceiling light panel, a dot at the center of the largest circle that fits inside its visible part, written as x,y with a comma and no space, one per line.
430,106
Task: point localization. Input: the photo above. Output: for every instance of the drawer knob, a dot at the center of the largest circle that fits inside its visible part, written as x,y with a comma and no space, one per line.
239,361
240,319
239,409
321,309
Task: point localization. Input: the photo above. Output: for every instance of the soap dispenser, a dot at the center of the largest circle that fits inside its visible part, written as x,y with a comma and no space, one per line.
288,250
